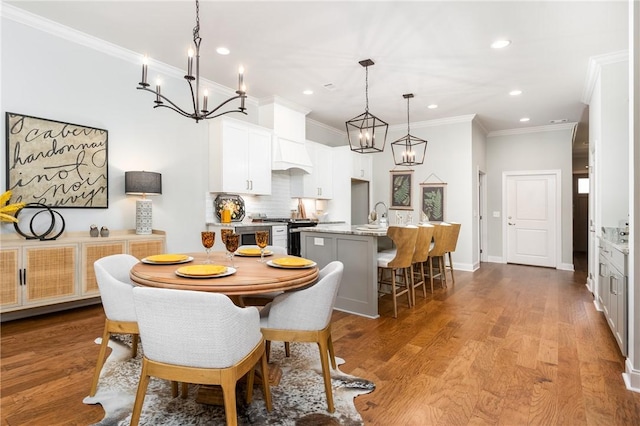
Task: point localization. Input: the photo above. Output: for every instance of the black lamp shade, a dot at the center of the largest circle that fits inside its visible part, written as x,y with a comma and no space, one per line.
367,133
409,151
147,183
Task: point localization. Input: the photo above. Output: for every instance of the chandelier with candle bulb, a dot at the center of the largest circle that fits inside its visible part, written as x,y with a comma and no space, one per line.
200,112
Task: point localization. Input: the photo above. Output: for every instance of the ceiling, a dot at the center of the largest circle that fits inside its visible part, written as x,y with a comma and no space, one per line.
437,50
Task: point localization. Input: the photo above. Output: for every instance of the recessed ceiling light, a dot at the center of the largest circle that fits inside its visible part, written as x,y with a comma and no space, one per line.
515,92
432,106
500,44
223,50
524,119
308,92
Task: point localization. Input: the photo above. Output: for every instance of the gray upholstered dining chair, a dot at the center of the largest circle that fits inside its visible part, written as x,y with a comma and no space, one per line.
305,316
199,337
112,275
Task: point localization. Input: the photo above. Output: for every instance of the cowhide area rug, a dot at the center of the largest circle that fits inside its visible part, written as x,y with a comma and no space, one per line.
299,399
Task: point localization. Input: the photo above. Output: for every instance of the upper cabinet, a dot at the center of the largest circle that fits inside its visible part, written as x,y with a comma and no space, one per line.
319,183
239,157
361,166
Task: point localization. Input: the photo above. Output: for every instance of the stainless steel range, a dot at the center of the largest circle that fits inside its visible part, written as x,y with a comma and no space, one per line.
293,238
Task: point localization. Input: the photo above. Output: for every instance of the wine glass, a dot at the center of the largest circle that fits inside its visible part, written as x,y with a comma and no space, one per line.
223,234
231,243
208,237
262,239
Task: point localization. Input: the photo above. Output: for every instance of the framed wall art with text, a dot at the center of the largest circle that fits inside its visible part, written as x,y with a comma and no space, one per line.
56,164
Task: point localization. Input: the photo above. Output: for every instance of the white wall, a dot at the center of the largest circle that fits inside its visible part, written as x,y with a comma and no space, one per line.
449,160
479,165
542,148
50,77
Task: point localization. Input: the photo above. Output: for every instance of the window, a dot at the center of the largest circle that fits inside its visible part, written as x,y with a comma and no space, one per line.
583,185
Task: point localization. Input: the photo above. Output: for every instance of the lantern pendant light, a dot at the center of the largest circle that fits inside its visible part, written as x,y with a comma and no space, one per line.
408,150
366,132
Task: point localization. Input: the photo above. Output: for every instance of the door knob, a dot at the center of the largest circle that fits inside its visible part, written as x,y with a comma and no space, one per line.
511,223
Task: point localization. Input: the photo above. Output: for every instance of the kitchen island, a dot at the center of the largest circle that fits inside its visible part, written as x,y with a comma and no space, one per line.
357,248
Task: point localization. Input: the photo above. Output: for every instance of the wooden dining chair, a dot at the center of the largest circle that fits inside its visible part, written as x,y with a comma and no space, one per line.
397,264
420,256
305,316
199,337
452,242
112,275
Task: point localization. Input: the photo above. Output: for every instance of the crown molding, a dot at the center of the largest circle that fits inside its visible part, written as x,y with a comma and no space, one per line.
593,71
284,102
58,30
548,128
337,132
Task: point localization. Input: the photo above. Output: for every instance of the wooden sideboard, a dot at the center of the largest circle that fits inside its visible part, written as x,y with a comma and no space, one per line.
45,276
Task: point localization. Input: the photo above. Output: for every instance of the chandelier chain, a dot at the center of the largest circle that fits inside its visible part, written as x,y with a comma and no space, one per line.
196,29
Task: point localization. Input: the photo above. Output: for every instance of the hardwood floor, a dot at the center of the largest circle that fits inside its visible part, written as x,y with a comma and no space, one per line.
507,344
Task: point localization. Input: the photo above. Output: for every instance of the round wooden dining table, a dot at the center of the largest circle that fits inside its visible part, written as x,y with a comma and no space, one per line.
250,278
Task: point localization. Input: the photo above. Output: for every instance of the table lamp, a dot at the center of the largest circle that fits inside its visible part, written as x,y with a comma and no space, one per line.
143,183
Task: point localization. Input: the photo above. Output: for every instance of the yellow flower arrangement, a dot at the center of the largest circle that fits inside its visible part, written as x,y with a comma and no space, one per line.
8,211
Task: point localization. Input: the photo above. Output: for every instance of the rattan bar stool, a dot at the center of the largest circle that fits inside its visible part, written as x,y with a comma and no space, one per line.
436,253
398,264
420,256
452,242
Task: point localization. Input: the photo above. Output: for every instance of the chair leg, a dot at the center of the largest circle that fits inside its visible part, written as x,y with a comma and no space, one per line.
443,272
322,346
453,280
134,345
431,272
266,390
140,394
393,292
332,354
408,281
287,349
100,363
185,390
229,397
251,374
267,348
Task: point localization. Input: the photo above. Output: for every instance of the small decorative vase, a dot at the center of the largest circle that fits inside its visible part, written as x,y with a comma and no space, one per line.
104,231
93,231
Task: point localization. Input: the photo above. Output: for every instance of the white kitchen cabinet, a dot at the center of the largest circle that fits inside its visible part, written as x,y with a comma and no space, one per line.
361,166
613,291
319,183
279,236
239,157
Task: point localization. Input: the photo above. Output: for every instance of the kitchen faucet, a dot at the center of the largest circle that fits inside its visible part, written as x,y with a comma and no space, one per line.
383,219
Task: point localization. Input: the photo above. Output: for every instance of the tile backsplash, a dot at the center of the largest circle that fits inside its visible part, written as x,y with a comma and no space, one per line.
278,204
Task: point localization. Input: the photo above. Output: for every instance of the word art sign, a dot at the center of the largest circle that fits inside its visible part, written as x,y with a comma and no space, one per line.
56,164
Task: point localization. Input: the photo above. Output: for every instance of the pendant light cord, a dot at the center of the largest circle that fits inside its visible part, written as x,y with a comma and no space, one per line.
408,130
366,88
196,29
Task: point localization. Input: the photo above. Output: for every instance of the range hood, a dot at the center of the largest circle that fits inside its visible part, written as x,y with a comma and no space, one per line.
287,154
288,123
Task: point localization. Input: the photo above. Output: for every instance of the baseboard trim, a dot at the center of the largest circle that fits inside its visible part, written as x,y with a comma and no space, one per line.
631,377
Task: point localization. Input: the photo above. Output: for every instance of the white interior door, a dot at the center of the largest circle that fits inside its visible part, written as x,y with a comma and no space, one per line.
531,219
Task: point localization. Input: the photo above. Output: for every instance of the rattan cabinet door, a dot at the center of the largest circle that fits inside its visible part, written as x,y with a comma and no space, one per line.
143,248
51,274
9,278
90,253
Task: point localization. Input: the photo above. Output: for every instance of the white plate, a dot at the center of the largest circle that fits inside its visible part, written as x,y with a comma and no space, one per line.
362,228
266,253
275,265
145,260
230,271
